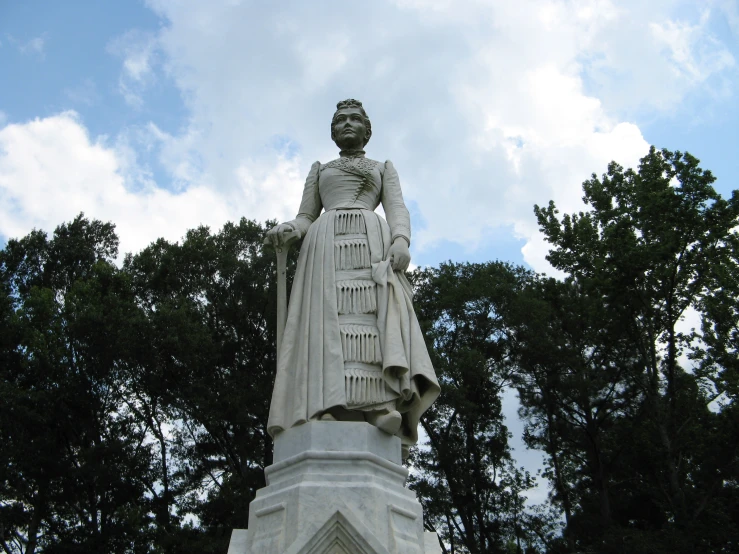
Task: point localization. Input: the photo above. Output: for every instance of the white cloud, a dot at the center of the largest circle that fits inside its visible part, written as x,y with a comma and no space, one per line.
486,108
51,170
139,52
654,54
730,10
33,46
177,154
695,55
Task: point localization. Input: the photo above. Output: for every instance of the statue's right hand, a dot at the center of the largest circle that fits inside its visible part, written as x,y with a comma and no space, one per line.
279,234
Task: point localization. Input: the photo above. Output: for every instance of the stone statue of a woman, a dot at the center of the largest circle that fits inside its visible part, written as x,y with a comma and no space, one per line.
352,348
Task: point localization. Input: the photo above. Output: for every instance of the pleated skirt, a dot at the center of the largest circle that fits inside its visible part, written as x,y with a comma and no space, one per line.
356,299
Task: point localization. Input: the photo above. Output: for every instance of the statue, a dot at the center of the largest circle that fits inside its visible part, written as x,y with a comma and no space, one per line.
352,349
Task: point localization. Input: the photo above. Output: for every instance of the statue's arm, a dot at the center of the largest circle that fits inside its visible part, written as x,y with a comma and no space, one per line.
397,214
310,205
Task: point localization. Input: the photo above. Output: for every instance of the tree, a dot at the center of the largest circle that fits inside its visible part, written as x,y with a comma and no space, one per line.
646,253
134,398
207,375
73,466
718,359
576,389
467,482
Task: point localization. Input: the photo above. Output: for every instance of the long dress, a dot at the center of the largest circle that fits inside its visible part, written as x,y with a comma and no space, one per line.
351,339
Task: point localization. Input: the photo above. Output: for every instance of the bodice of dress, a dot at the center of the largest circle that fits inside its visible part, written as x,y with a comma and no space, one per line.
349,185
354,183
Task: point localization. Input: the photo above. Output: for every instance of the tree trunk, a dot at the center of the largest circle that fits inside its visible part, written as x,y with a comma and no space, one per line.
600,478
33,528
559,482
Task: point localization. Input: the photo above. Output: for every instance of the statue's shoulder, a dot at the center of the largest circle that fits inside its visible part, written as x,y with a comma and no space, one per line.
369,165
332,163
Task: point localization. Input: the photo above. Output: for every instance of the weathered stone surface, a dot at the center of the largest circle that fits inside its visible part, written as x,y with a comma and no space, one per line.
353,373
352,347
237,545
335,487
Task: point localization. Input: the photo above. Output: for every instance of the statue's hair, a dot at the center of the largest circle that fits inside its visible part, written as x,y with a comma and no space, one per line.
351,103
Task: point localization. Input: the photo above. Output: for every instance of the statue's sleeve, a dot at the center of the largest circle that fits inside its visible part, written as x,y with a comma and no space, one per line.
310,205
397,214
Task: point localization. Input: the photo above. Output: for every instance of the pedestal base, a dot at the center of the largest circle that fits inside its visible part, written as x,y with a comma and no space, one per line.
335,488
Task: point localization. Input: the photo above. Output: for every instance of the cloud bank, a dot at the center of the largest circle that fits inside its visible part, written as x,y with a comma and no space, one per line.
486,108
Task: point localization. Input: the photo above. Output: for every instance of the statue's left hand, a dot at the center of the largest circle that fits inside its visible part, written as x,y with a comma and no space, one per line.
399,255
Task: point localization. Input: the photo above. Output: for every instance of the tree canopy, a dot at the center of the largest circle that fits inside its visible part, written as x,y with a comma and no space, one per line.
636,414
135,394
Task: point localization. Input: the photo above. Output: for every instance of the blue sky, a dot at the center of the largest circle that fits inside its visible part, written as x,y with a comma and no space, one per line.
175,94
161,115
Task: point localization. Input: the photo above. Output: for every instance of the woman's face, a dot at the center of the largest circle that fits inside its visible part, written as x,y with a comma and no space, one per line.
349,130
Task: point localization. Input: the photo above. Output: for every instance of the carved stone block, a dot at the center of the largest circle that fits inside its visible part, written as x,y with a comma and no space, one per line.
335,488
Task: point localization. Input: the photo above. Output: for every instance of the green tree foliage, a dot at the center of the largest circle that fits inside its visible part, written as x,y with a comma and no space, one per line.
575,387
73,465
134,400
636,431
208,375
720,325
467,481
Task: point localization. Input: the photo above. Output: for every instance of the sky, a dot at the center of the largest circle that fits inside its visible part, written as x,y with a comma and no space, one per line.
163,115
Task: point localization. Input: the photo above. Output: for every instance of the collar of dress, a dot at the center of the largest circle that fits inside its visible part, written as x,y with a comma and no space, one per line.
359,153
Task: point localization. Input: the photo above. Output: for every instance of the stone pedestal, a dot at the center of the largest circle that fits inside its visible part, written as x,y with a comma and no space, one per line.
335,488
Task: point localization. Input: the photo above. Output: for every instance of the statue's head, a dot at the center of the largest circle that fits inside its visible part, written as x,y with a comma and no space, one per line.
351,110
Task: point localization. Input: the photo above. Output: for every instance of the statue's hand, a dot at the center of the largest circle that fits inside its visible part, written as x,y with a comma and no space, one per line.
281,233
399,255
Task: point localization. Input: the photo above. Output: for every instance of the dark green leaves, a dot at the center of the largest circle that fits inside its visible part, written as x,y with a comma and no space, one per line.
631,406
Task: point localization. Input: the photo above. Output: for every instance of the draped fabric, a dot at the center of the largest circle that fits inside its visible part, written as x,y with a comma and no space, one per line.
352,339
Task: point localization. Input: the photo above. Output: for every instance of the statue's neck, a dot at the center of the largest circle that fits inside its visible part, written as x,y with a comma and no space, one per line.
352,153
